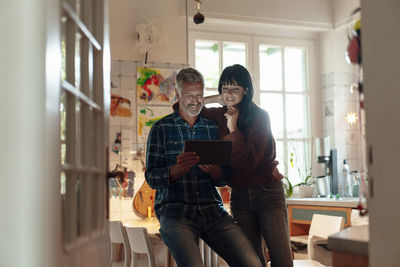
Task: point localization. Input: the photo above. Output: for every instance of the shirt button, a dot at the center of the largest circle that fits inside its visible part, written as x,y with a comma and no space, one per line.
194,132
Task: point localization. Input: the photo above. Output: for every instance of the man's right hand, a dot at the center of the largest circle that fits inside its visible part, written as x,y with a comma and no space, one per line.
184,162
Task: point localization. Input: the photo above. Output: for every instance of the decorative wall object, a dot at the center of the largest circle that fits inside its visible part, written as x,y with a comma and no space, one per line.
120,106
148,36
155,86
147,116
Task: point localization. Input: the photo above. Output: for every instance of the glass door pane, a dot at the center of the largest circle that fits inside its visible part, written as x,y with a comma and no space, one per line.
296,116
280,156
295,70
234,53
299,165
273,104
270,68
207,62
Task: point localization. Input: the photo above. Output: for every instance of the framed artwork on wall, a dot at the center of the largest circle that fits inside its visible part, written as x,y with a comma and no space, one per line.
155,86
147,116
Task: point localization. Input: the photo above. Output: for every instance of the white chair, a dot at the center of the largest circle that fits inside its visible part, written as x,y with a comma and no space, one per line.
118,236
321,227
140,244
210,258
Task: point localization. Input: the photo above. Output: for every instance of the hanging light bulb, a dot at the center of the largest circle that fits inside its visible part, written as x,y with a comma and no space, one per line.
198,18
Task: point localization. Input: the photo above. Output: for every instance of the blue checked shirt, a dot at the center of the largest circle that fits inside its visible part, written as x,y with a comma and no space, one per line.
193,196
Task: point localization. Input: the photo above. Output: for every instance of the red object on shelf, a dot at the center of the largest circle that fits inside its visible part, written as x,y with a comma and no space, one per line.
225,194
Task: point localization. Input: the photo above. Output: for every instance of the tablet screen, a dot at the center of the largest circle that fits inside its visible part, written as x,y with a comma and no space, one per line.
218,152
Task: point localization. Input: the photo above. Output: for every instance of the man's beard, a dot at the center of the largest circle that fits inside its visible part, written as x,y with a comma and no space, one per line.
190,111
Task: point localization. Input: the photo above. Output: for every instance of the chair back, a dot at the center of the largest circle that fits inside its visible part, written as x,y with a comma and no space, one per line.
140,243
118,235
324,225
321,227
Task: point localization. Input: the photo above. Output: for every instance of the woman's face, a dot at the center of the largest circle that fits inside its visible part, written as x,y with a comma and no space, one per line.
232,94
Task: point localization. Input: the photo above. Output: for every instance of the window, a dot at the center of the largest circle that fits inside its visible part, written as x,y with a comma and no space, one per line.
81,113
285,95
282,80
212,55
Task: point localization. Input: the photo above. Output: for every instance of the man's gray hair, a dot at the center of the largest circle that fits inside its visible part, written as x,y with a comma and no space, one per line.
188,75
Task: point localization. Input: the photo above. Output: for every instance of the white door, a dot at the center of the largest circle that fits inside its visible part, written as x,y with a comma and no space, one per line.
55,68
380,51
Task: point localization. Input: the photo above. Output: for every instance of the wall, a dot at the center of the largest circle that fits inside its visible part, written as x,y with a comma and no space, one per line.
126,14
299,13
342,9
337,76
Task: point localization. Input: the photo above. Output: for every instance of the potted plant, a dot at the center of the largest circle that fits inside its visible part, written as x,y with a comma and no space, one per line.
306,185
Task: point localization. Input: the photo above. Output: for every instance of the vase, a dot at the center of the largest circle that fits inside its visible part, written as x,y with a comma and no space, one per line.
305,191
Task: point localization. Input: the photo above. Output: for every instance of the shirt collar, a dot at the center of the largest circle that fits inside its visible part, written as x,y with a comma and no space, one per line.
179,119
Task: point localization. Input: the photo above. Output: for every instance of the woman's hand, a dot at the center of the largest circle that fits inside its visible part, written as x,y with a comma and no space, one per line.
214,99
232,115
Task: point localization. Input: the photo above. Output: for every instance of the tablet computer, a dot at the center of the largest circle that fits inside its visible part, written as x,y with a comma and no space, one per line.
217,152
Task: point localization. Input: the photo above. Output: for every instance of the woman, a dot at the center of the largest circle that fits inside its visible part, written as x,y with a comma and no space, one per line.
257,199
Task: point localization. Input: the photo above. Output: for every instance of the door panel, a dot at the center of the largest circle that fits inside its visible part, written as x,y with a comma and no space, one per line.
84,120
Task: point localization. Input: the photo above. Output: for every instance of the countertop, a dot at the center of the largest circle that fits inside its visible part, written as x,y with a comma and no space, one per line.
350,202
351,240
151,224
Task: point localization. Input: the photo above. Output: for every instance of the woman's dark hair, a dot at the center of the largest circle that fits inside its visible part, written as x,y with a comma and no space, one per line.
237,74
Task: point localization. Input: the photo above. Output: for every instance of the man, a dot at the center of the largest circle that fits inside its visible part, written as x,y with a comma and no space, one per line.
187,203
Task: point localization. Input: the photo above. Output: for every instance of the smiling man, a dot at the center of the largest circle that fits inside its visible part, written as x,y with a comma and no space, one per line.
187,203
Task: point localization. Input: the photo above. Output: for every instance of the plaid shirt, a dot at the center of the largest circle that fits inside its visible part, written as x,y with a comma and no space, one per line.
193,196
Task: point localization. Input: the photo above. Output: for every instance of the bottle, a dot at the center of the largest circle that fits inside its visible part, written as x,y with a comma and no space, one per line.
347,180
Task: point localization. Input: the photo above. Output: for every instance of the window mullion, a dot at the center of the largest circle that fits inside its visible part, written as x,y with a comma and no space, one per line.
285,137
221,57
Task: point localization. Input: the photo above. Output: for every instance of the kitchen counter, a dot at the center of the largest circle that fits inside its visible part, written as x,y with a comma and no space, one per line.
350,246
349,202
301,211
352,240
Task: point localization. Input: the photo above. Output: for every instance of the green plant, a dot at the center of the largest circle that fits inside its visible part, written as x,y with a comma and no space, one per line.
287,185
303,170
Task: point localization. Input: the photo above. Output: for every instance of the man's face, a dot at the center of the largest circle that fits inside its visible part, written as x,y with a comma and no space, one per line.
191,100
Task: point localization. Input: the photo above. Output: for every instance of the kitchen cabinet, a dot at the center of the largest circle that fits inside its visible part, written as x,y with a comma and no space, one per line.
301,210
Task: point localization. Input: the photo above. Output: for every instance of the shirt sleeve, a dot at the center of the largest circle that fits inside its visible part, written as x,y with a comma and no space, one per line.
255,147
157,171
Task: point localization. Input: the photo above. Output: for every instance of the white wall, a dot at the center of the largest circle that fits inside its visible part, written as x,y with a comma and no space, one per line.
169,15
342,10
336,77
126,14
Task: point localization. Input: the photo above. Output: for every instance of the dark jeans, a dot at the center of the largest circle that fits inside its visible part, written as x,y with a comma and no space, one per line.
261,212
225,238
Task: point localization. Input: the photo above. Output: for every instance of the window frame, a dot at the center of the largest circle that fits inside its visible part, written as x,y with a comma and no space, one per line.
220,37
311,81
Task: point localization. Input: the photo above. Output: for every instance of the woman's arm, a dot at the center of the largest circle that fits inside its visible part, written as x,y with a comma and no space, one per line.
256,146
214,99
